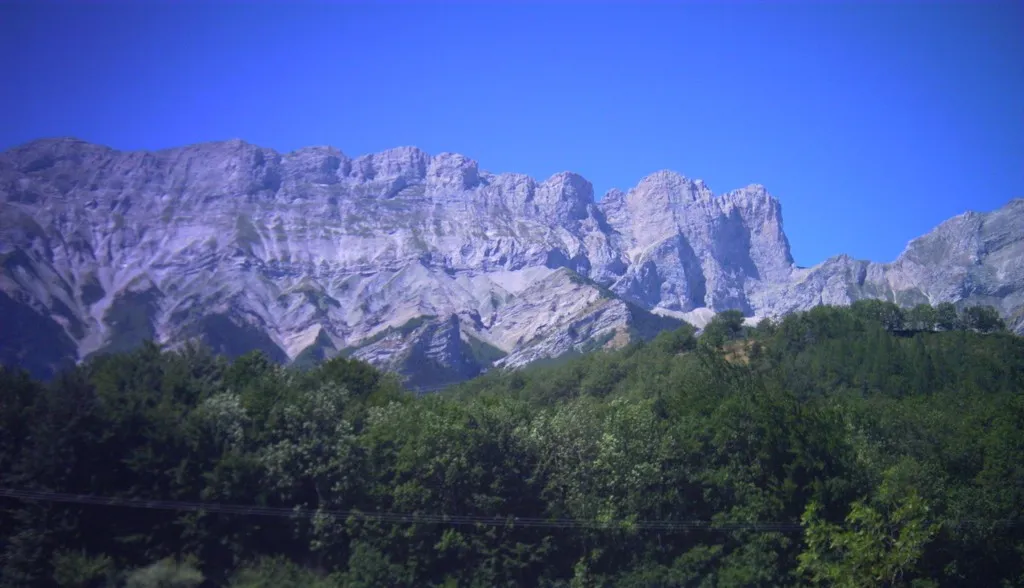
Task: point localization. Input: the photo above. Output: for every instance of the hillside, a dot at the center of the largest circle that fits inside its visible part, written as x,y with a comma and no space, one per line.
842,449
425,265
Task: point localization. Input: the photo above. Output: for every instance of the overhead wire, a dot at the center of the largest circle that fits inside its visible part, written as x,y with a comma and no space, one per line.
434,518
396,517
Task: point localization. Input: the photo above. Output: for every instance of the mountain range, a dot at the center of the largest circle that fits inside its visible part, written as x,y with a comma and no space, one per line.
426,265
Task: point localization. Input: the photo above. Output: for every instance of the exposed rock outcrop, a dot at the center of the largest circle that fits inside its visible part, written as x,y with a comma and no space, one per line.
424,264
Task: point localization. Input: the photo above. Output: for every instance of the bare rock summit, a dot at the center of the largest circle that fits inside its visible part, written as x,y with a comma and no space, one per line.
423,264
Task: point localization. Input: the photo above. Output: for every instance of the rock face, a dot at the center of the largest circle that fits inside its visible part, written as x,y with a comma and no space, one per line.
423,264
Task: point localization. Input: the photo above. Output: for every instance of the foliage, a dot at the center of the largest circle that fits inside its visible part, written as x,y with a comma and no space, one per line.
166,573
725,326
880,546
983,319
79,569
856,446
279,572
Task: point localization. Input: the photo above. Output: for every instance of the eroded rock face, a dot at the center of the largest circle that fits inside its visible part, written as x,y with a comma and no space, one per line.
423,264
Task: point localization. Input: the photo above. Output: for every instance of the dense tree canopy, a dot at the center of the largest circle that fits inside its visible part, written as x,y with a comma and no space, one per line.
860,446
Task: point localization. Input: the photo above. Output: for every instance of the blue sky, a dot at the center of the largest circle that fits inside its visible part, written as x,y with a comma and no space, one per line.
872,122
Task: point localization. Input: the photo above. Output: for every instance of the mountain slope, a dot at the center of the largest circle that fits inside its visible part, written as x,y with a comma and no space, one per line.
425,264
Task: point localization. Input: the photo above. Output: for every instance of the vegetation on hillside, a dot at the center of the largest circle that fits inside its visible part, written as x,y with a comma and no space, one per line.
860,446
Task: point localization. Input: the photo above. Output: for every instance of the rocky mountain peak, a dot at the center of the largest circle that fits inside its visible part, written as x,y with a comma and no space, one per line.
667,189
613,206
613,194
321,165
752,192
400,162
756,205
453,171
565,196
43,154
666,178
412,260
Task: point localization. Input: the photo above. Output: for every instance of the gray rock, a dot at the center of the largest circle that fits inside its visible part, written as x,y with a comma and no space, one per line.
426,265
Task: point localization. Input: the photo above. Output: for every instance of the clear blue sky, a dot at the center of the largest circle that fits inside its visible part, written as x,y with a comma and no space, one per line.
871,122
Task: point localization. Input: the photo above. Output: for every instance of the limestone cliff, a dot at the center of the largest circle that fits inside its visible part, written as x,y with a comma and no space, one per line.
423,264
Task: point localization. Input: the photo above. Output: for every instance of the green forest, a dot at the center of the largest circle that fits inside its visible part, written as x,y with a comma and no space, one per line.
844,446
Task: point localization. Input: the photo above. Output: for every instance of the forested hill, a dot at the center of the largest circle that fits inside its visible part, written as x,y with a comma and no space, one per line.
855,446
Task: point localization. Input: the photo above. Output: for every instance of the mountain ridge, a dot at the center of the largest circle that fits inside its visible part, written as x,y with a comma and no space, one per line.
312,253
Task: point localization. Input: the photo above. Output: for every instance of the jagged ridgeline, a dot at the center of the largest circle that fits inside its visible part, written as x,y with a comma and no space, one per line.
852,446
425,265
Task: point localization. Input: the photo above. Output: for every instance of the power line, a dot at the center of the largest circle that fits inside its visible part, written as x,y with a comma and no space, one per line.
393,517
433,518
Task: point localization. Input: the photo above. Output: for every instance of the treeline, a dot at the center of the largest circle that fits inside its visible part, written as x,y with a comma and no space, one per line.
829,448
926,318
923,318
